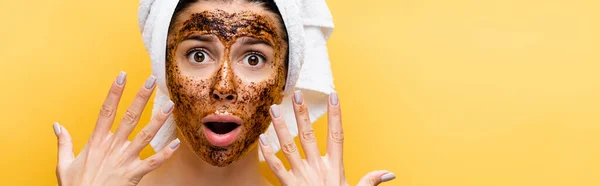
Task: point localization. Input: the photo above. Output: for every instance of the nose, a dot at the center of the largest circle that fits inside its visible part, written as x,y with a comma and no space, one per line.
224,87
228,97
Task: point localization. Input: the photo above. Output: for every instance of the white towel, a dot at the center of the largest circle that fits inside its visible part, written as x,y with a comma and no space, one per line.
309,24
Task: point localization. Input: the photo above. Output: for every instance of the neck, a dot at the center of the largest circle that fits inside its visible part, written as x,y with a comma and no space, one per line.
185,168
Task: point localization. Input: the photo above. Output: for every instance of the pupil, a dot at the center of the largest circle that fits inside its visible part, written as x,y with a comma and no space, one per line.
199,57
253,60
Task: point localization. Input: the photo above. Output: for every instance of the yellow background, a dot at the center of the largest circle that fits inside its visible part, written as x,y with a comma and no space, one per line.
443,93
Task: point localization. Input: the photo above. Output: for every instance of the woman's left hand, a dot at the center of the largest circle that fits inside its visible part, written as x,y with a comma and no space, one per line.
315,170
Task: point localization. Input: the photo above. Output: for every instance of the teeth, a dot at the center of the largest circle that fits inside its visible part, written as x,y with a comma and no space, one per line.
221,112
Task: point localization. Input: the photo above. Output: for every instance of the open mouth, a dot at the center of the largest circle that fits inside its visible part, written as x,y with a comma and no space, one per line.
221,130
221,127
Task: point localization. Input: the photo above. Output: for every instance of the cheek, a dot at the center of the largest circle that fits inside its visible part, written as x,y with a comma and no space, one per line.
265,83
267,90
188,92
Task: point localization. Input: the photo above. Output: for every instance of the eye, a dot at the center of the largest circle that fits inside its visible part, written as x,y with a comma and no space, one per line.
198,56
254,59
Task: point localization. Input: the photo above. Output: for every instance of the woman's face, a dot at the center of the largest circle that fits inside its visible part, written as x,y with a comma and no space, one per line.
225,67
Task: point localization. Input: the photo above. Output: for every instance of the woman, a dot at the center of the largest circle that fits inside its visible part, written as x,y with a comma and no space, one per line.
227,66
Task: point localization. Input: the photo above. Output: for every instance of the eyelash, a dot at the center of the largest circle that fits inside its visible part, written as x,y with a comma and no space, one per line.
258,54
187,54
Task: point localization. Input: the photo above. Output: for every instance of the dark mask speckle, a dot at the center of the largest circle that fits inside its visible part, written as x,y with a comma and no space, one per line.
193,95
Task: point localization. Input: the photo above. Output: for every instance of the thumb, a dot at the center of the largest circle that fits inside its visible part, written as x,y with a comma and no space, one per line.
376,177
65,146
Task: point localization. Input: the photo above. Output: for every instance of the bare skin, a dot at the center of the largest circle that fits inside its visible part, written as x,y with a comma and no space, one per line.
224,59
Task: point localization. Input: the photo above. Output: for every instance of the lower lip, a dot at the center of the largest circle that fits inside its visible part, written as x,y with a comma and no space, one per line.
221,140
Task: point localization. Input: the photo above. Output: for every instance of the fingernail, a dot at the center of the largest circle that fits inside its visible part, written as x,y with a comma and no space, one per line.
121,78
298,97
150,82
175,143
263,139
388,177
56,127
275,111
334,98
168,107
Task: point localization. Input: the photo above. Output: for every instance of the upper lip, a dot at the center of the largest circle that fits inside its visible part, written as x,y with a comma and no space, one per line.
222,118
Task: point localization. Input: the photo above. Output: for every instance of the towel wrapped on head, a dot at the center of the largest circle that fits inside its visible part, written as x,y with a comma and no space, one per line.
308,23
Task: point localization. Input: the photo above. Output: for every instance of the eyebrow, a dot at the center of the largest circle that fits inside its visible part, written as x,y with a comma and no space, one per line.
204,38
254,41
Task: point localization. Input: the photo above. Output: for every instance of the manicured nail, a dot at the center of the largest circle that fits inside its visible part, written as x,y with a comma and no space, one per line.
168,107
56,127
388,177
121,78
298,97
175,143
263,139
275,111
150,82
334,98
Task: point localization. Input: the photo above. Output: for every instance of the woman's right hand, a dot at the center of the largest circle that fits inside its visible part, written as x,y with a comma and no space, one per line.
111,159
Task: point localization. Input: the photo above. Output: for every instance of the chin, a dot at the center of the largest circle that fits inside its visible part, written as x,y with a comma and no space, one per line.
224,156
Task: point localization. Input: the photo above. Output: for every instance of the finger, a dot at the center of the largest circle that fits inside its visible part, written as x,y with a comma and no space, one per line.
376,177
288,146
156,160
65,147
147,133
133,113
335,136
109,107
274,163
306,132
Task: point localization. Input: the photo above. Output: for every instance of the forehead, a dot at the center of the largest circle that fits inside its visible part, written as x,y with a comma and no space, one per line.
229,9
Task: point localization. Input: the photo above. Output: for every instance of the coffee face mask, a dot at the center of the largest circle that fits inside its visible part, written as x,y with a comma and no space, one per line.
224,70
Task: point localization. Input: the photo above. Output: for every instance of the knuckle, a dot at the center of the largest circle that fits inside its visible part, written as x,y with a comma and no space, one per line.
308,136
278,167
306,121
165,153
153,163
372,180
337,136
63,142
106,111
335,112
115,90
129,117
144,94
161,117
145,136
289,148
134,181
302,110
